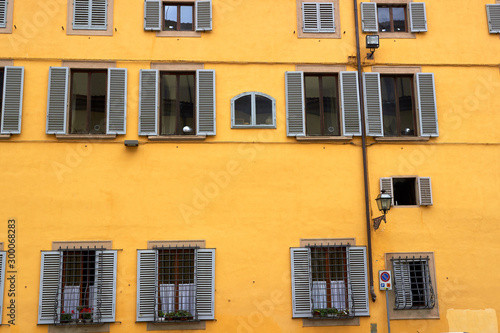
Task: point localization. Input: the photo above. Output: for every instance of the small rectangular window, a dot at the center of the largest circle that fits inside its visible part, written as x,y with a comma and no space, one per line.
398,107
322,105
177,103
405,191
178,17
412,283
392,18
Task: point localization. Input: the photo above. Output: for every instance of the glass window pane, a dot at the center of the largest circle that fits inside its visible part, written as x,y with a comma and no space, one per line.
405,99
330,106
389,106
186,18
170,18
98,88
79,96
186,105
168,108
384,19
313,121
398,17
263,110
243,110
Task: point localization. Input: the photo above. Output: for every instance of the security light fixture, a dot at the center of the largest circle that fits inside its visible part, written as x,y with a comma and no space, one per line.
131,143
384,202
372,43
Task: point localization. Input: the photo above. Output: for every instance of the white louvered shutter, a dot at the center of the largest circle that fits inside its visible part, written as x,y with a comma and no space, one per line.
373,104
117,101
3,256
205,96
106,284
12,104
386,184
418,17
50,284
326,17
310,17
427,104
152,15
359,280
295,111
369,20
81,14
351,112
146,285
301,282
203,10
148,102
402,284
99,14
57,100
3,13
425,191
493,13
205,283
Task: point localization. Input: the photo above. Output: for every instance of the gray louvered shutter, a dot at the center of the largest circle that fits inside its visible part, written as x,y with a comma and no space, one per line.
3,256
310,17
81,14
205,95
57,100
148,102
152,15
418,17
359,280
427,104
301,282
3,15
373,104
493,13
146,285
50,285
106,284
203,10
425,191
351,112
295,111
117,101
326,17
369,20
205,283
99,15
386,184
12,104
402,284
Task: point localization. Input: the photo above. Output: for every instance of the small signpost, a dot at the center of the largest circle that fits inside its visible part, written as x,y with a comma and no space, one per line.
385,282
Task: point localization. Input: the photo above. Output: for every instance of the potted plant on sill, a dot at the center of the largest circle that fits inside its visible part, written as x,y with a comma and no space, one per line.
66,317
183,315
170,316
85,314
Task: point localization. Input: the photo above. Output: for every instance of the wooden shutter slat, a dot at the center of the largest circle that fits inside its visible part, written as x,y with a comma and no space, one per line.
425,191
326,17
373,104
205,283
203,12
57,100
418,18
117,101
152,15
106,284
50,295
205,97
369,20
12,103
81,14
351,112
386,184
99,13
359,280
3,13
493,14
427,104
146,284
301,283
310,17
295,112
402,284
148,102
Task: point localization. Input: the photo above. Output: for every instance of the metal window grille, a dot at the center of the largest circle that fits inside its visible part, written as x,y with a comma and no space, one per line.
412,283
331,285
176,284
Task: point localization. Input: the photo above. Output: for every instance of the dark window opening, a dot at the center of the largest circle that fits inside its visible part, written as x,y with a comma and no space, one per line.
417,280
322,105
178,17
412,284
177,104
398,105
405,191
253,109
391,18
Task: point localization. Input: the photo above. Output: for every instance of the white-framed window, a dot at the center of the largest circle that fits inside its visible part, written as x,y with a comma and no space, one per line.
318,19
178,17
11,99
253,110
408,190
90,14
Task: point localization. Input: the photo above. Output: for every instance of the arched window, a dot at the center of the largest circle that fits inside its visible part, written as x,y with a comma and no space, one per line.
253,110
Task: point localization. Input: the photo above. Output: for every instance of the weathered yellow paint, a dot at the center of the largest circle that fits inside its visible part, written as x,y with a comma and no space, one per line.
472,321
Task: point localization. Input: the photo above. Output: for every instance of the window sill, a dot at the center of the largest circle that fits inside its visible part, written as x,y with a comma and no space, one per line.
86,136
306,322
5,136
188,325
323,138
188,138
253,126
178,34
397,35
402,139
102,327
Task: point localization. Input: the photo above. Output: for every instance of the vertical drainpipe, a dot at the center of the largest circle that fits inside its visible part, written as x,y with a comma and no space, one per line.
365,162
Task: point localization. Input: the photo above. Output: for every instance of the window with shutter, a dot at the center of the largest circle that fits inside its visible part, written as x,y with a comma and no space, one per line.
6,15
90,17
408,190
318,19
493,16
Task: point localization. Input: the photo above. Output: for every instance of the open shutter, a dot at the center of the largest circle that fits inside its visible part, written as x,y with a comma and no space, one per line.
57,100
99,15
106,284
50,278
295,112
326,17
301,283
425,191
12,105
205,283
3,256
81,14
369,20
427,104
205,95
152,15
386,184
310,17
146,285
3,15
493,13
117,101
359,280
402,284
373,104
351,112
203,11
418,18
148,102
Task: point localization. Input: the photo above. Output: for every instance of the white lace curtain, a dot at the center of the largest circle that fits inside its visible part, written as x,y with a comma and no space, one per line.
338,292
187,294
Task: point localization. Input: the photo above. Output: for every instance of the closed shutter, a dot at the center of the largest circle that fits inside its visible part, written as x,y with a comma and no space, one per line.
369,20
418,18
205,94
106,284
386,184
3,13
326,17
493,13
148,102
310,17
49,303
99,15
205,283
301,283
402,284
427,104
425,191
146,285
351,112
81,14
117,101
12,105
152,15
295,113
57,100
359,280
373,104
3,256
203,11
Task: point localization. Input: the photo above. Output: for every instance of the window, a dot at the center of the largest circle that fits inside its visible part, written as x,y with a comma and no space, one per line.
178,17
186,106
319,19
3,256
329,280
408,191
11,99
393,18
97,101
6,15
253,110
322,105
90,17
398,105
175,284
77,286
493,14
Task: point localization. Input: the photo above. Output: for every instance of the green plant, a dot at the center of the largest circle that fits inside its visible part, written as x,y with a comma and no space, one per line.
66,316
183,314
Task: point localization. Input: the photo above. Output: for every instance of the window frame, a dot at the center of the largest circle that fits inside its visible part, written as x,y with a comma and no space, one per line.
423,189
391,17
253,115
9,15
178,5
90,32
12,90
321,35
